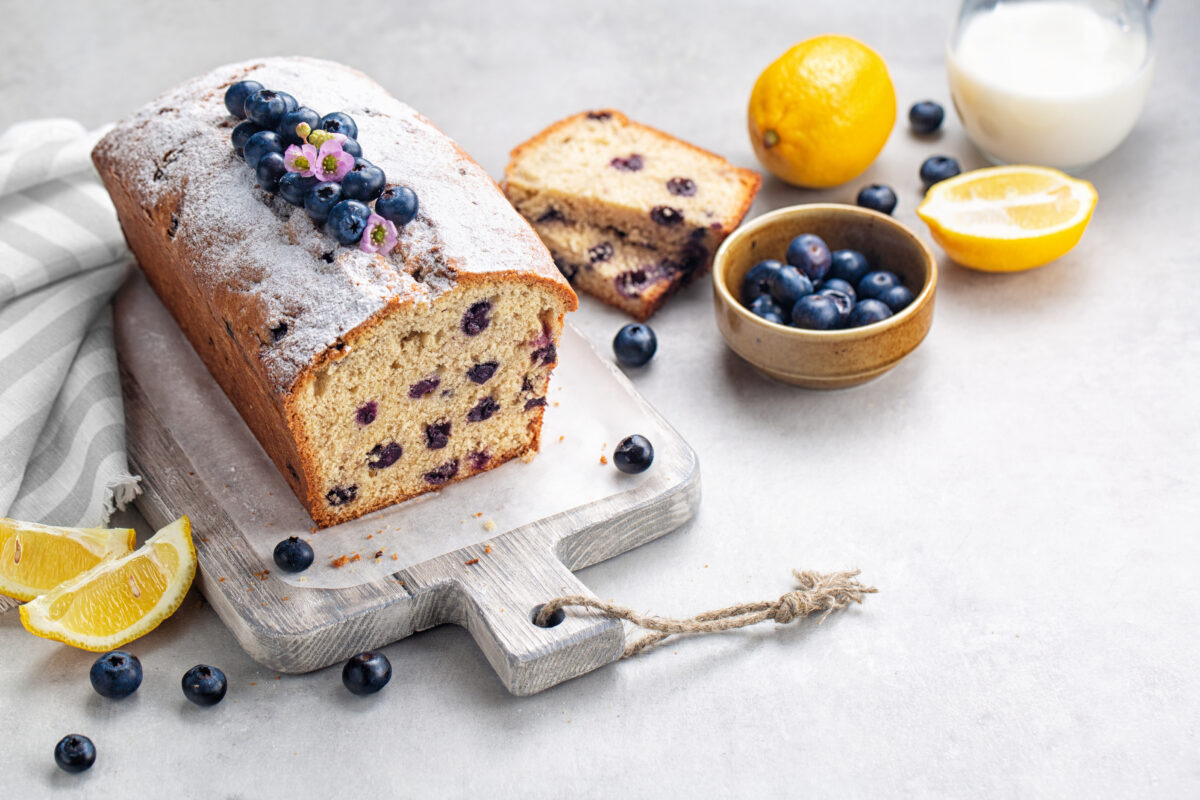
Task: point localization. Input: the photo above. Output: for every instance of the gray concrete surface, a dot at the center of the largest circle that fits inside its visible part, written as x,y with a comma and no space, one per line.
1023,489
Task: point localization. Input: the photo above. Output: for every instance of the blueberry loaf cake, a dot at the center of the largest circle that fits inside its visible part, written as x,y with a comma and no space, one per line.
629,213
376,352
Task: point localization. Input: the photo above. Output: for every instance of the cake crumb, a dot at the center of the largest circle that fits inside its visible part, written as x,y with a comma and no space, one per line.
220,580
489,525
340,561
603,459
285,597
261,574
395,557
370,536
560,438
478,514
254,683
470,562
356,557
487,549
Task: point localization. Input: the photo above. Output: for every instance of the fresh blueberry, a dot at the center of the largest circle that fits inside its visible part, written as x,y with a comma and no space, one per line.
367,673
294,186
816,312
765,306
204,685
397,203
259,145
347,221
896,298
758,280
938,168
635,344
352,147
241,133
788,285
116,674
321,198
364,181
809,254
337,122
269,171
293,554
289,102
75,753
634,454
877,197
843,301
926,116
874,284
841,285
266,108
866,312
290,119
849,265
235,97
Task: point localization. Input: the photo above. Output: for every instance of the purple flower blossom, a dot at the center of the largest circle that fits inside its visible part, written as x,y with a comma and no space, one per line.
379,237
332,162
302,159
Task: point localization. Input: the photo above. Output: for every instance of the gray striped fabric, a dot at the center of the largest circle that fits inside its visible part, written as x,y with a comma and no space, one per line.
62,257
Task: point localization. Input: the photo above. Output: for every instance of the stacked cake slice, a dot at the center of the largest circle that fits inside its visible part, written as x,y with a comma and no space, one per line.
629,213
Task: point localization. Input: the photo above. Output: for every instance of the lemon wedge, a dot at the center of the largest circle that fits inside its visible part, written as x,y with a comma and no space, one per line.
119,599
1006,219
35,558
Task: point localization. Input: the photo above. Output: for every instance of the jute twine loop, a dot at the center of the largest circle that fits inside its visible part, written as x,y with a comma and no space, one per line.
818,592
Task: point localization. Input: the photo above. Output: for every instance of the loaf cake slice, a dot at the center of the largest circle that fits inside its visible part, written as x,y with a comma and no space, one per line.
599,179
368,378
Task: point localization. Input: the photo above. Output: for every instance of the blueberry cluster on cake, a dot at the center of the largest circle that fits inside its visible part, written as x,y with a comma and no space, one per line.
378,347
629,213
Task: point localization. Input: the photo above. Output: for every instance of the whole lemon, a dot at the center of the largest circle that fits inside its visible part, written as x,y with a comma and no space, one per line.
822,111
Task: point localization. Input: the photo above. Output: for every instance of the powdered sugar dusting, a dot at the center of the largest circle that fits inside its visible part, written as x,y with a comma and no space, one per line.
262,260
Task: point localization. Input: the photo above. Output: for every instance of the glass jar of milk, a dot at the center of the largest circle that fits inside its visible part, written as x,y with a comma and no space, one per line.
1057,83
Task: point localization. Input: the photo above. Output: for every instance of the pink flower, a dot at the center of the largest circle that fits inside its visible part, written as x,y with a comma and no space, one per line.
302,159
332,163
379,237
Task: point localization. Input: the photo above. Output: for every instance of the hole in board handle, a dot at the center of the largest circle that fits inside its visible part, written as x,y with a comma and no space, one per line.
555,618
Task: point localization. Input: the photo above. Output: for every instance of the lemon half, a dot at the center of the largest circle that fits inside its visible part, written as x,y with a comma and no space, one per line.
1006,219
119,599
35,558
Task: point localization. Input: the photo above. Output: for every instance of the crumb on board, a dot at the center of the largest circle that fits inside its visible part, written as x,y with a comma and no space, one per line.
221,580
560,438
395,557
356,557
251,589
370,536
264,605
340,561
478,514
487,549
261,574
490,525
603,459
285,597
378,554
254,683
470,562
556,404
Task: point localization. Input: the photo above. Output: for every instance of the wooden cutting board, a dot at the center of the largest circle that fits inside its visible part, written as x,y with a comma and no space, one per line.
482,553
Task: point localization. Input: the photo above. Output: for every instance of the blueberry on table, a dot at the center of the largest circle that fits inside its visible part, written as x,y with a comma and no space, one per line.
758,280
843,301
290,119
877,197
204,685
866,312
321,198
241,134
75,753
364,181
874,284
337,122
788,285
926,117
366,673
839,285
848,265
816,312
635,344
938,168
235,97
265,108
269,171
634,454
809,254
347,220
765,306
896,298
293,554
259,144
116,674
293,186
398,204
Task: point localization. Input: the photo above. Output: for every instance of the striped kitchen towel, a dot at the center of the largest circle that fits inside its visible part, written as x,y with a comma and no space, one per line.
62,257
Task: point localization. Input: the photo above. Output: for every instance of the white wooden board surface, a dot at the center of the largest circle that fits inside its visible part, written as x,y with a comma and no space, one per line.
528,524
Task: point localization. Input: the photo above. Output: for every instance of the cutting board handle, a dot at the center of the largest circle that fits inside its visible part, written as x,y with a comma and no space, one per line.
499,594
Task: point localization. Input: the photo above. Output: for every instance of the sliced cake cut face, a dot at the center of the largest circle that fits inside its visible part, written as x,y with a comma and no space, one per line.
599,173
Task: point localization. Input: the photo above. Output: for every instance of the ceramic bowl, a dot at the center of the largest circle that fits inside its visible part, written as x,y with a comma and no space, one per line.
825,359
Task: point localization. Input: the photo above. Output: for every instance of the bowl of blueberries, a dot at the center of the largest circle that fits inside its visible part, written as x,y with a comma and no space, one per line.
824,295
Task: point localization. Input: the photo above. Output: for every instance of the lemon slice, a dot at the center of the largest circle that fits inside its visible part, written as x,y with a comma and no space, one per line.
1006,219
120,599
36,558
